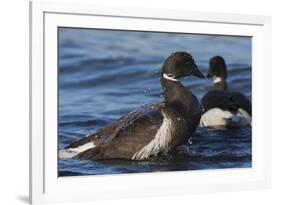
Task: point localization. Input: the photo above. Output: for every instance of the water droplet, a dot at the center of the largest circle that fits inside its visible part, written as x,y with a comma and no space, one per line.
190,141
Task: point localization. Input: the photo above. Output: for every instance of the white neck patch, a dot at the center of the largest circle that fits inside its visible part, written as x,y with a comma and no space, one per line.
217,79
170,77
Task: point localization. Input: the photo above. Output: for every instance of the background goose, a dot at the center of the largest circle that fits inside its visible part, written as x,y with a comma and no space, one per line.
223,108
151,129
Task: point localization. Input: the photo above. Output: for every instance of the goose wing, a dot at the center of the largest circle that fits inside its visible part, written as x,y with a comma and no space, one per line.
242,101
123,138
226,101
213,99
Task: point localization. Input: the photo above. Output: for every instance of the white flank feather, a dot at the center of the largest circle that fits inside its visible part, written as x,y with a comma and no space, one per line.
217,117
72,152
159,143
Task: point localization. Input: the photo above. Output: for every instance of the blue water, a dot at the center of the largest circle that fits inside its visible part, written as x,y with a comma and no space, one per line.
104,74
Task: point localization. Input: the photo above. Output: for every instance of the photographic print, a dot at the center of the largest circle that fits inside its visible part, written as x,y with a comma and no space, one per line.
143,101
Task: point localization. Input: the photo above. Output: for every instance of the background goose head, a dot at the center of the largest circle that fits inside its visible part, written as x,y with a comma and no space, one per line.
177,65
218,71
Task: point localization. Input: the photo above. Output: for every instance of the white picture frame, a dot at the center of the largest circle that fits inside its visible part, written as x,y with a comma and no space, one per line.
46,187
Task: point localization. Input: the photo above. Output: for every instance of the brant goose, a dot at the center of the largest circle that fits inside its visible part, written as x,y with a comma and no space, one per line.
151,129
222,108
